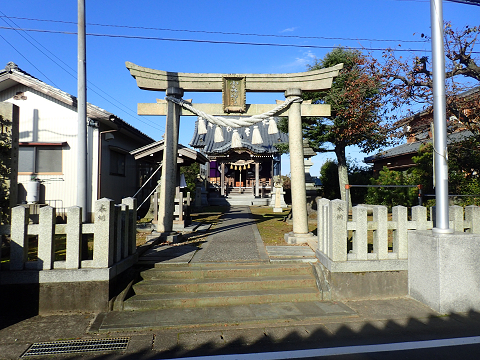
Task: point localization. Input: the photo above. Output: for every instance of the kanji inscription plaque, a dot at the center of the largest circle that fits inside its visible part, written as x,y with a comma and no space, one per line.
234,98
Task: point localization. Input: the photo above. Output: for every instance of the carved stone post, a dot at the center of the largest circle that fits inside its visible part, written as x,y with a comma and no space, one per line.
257,179
169,168
222,179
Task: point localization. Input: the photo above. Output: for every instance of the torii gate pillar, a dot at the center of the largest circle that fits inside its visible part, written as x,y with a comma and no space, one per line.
300,232
168,181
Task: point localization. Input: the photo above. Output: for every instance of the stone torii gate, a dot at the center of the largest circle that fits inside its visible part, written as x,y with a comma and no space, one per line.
234,88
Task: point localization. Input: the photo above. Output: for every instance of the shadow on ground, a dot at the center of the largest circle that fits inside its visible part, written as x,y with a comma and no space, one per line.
287,337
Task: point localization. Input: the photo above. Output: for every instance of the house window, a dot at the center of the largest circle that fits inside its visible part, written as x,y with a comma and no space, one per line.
117,163
40,158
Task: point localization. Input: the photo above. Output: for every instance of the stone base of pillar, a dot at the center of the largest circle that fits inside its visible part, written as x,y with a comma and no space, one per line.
292,238
170,237
443,270
276,210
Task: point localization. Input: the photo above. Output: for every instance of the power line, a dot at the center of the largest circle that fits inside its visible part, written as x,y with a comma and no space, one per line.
221,32
14,48
136,37
20,33
467,2
70,73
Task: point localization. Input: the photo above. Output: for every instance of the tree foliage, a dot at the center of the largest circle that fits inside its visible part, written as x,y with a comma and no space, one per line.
329,179
356,102
463,177
409,81
190,173
463,170
358,176
388,196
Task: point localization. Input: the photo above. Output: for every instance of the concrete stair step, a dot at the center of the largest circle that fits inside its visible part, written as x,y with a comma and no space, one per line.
245,317
226,271
219,298
230,284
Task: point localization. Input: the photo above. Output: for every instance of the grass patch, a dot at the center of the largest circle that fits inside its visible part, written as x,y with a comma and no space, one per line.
60,248
370,236
204,215
271,225
208,214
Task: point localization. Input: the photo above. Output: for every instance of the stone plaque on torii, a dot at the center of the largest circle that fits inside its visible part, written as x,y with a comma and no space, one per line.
233,87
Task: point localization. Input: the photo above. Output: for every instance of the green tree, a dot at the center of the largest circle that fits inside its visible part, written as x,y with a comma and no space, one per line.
329,179
405,196
190,173
357,174
355,100
463,170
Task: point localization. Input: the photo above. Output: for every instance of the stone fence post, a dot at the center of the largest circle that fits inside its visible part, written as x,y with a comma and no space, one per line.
419,216
19,238
456,217
46,235
472,217
73,230
338,234
380,236
103,246
119,231
400,239
132,224
322,224
359,241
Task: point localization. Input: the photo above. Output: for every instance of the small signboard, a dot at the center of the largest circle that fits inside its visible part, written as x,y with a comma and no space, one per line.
233,93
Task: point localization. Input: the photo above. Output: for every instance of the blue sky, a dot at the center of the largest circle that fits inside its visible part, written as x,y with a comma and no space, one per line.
120,28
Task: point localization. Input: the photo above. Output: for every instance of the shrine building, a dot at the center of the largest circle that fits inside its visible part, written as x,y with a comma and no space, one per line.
240,171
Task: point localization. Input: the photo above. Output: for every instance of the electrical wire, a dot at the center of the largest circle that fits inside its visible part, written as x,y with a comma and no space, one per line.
136,37
221,32
70,73
14,48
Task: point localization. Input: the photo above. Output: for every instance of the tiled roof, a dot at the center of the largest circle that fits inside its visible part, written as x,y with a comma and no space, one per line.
413,148
429,109
210,147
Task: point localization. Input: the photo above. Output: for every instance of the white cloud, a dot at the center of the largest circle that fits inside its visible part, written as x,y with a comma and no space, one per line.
300,63
288,30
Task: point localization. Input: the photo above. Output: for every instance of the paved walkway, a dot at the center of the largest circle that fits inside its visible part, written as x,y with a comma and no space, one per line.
235,238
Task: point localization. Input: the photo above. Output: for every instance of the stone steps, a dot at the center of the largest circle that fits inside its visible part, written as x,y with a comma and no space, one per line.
231,284
219,298
222,284
225,270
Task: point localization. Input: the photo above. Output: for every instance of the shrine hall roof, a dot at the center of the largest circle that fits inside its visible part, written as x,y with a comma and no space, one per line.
210,147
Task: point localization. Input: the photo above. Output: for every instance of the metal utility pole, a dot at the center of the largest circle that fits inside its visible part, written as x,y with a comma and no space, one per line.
82,113
439,119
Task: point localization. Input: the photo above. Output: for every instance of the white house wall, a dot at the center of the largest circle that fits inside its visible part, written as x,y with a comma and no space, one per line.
117,187
57,122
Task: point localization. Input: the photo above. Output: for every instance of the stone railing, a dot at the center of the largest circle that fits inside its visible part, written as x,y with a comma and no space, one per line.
114,240
334,229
